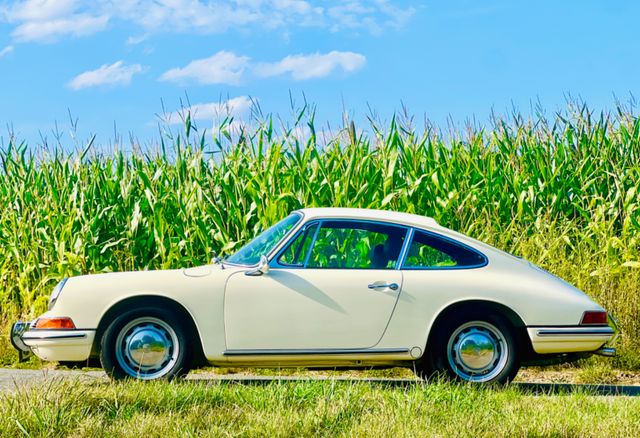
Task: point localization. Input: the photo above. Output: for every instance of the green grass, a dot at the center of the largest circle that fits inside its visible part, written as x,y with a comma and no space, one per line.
326,408
561,192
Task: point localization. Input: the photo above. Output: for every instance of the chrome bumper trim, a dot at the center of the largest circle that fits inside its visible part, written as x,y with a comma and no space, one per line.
44,336
17,332
23,336
576,331
613,323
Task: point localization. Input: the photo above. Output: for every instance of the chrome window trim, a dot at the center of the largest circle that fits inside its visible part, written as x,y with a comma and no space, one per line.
405,248
274,264
444,268
313,242
295,228
287,236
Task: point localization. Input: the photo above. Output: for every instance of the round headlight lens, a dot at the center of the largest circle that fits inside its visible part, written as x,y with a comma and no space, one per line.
56,293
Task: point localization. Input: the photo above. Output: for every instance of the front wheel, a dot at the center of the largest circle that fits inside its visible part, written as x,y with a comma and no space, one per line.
474,348
145,344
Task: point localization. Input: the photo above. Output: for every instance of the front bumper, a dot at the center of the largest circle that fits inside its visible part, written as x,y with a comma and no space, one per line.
56,345
17,330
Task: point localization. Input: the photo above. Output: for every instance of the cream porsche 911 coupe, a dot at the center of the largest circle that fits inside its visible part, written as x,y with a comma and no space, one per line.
327,288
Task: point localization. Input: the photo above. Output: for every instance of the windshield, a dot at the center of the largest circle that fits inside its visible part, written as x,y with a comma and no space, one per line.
250,253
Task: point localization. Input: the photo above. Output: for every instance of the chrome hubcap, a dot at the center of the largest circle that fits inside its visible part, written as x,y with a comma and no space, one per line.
477,351
147,348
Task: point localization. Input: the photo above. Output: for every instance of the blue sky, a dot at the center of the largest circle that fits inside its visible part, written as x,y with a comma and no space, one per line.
113,62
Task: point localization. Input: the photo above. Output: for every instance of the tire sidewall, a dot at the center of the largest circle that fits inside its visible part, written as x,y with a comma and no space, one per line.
108,346
438,362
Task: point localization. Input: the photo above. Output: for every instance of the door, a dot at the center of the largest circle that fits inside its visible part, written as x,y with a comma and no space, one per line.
334,286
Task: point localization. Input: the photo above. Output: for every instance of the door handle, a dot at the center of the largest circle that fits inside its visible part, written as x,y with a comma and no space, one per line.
392,286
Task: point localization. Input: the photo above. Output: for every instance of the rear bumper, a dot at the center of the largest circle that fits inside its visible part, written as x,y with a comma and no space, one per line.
547,340
57,345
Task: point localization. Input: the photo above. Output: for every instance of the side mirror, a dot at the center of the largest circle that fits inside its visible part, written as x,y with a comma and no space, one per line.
261,269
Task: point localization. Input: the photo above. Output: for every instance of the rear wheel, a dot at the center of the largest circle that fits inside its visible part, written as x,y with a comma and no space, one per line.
145,344
473,348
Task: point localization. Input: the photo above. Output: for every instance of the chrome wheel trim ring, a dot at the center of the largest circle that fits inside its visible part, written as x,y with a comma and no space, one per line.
147,348
477,351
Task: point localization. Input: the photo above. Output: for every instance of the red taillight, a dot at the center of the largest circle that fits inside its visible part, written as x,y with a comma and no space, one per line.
594,317
55,323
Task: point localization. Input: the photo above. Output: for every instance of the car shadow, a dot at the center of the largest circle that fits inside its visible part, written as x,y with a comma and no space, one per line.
525,387
20,378
300,286
568,388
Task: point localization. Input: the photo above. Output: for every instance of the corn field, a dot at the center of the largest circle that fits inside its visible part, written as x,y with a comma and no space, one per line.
561,192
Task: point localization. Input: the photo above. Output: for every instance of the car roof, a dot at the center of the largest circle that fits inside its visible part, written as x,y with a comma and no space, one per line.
370,214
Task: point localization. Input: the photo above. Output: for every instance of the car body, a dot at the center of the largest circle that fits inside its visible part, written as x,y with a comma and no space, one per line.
328,287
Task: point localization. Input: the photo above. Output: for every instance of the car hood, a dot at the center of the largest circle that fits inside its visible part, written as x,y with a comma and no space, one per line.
139,281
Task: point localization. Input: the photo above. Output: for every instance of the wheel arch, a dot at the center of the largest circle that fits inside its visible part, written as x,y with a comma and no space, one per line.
481,306
150,300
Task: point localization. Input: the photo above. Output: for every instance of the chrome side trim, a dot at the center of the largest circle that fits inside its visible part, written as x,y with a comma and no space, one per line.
32,336
321,351
574,331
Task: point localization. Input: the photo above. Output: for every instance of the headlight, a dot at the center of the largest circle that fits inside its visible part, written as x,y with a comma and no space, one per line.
56,293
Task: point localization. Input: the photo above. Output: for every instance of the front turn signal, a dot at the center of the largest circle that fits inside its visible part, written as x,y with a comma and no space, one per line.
55,323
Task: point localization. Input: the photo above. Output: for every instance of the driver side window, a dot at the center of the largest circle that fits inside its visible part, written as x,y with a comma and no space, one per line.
341,244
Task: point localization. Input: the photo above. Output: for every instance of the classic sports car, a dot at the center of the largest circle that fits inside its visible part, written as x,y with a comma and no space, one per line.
327,288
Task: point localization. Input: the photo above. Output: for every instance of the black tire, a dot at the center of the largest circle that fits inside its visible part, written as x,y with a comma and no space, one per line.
128,338
446,353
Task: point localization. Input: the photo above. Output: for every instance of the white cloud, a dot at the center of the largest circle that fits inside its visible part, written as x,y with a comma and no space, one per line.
115,74
395,16
42,9
373,15
49,20
186,15
232,128
294,6
221,68
6,51
51,30
235,107
133,41
311,66
226,118
228,68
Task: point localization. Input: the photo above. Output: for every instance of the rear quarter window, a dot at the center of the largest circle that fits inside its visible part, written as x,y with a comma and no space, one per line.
430,251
